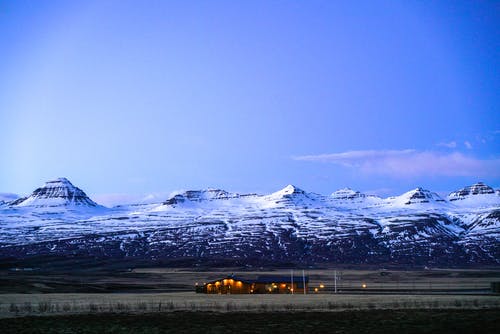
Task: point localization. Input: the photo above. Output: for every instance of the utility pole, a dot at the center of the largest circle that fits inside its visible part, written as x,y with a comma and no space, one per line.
335,280
304,281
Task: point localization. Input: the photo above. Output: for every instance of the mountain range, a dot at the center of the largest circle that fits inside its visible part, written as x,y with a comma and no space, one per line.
287,227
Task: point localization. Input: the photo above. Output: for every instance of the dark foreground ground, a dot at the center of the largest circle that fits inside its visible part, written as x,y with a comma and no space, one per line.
374,321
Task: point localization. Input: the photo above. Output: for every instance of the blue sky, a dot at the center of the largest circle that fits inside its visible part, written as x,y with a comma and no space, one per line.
128,98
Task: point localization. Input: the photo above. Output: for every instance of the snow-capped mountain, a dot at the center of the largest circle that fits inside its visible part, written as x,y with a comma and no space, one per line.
476,189
288,226
347,194
476,195
294,196
416,196
349,198
55,193
199,196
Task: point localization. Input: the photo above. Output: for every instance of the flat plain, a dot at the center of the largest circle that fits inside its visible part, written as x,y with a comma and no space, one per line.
162,300
150,290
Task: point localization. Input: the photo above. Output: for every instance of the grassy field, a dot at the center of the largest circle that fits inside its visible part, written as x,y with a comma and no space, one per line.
162,300
374,321
12,305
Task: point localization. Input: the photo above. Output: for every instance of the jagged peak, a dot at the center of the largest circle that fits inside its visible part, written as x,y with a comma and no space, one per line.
57,192
478,188
288,190
292,189
417,196
59,182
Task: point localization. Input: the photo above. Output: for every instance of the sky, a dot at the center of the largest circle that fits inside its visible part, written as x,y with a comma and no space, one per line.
129,99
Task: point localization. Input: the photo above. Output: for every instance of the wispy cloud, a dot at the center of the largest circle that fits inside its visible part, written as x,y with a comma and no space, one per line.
451,144
468,145
410,163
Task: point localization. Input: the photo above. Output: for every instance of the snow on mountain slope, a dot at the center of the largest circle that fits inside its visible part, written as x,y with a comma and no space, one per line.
475,196
476,189
415,196
288,225
347,194
199,196
59,192
294,196
348,198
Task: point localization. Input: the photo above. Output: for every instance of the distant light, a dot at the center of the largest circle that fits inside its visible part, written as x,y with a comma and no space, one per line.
363,286
322,286
315,289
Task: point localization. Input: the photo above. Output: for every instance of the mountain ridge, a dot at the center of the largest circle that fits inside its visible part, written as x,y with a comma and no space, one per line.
290,225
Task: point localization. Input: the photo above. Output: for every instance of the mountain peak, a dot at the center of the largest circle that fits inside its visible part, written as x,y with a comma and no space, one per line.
346,193
291,189
61,179
478,188
418,195
209,194
55,193
288,190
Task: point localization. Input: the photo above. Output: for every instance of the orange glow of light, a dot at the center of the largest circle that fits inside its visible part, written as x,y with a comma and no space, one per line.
217,283
315,289
283,285
322,286
363,286
239,283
